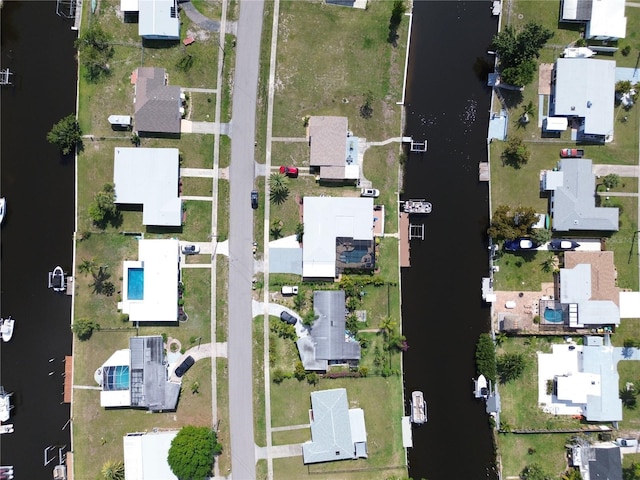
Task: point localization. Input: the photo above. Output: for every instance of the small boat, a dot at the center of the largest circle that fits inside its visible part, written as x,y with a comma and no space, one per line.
57,280
8,428
416,206
6,472
480,389
3,208
558,244
418,408
6,328
5,405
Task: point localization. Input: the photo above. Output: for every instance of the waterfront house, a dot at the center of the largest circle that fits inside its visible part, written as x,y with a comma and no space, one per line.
581,380
338,236
333,151
145,455
582,90
337,431
137,377
572,204
327,343
150,284
158,105
603,19
157,19
149,177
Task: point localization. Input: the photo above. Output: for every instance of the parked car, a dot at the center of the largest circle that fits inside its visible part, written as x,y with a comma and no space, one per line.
626,442
287,317
563,245
186,364
190,249
289,290
289,171
370,192
572,152
254,199
522,243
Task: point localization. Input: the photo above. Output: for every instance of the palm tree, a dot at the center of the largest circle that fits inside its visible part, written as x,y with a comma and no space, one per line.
113,470
87,266
388,326
276,229
548,264
279,188
527,110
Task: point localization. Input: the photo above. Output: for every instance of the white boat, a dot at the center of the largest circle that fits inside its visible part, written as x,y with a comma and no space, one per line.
6,472
578,52
57,280
418,408
6,328
480,387
5,405
416,206
3,208
8,428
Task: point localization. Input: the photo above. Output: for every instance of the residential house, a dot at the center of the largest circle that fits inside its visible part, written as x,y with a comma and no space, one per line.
149,177
581,380
586,290
158,106
145,455
150,284
597,461
333,150
337,432
338,236
327,344
137,377
572,200
157,19
583,90
603,19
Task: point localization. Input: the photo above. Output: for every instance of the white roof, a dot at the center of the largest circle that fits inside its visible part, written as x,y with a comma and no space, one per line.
556,124
119,119
158,19
149,176
145,456
607,19
128,5
159,259
326,218
585,88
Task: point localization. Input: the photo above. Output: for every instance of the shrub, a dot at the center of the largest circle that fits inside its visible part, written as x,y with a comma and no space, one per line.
84,328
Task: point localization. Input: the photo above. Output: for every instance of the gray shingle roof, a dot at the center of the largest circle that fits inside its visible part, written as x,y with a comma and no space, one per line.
157,105
573,204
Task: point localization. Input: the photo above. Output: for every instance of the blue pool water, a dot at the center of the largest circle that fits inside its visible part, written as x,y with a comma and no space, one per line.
116,377
354,256
135,288
553,316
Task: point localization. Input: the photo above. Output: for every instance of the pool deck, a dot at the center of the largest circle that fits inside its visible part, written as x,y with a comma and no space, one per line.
525,305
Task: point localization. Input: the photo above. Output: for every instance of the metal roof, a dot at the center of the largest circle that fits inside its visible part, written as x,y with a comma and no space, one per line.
149,176
158,19
585,88
331,428
573,204
145,455
328,330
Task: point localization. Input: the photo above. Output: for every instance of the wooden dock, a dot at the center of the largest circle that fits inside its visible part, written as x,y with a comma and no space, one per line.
483,171
405,260
68,378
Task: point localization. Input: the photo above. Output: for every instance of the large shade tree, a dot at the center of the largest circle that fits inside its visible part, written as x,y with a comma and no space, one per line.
192,451
517,51
95,50
509,222
66,134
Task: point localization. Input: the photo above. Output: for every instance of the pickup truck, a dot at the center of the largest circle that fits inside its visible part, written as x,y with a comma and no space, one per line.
289,290
572,153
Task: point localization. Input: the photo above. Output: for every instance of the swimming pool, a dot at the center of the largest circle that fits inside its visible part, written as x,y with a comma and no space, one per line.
135,283
115,377
553,316
354,256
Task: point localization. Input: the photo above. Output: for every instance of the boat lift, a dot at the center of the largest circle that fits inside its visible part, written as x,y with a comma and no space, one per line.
416,231
420,147
5,77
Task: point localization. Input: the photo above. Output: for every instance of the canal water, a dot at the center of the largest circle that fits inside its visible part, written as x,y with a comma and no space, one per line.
443,313
37,46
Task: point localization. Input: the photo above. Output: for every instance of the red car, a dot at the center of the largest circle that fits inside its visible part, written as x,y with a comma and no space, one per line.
289,171
572,153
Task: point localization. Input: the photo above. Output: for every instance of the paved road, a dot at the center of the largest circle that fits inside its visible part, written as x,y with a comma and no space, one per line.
241,173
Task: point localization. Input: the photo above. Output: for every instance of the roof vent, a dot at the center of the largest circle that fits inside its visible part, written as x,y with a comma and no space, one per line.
572,108
589,104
